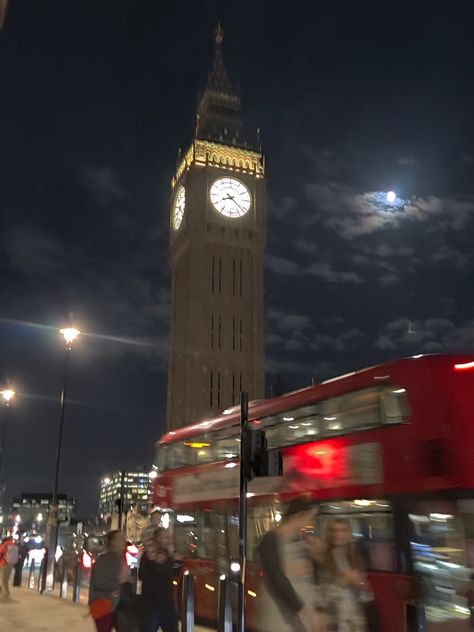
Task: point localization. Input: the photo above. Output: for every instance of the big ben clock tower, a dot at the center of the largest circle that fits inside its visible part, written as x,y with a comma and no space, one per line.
217,241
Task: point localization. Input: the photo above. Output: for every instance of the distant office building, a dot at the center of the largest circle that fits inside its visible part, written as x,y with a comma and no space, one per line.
132,487
33,509
3,10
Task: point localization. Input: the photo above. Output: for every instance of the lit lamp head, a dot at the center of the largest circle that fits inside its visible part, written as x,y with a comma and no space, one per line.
69,334
7,394
152,475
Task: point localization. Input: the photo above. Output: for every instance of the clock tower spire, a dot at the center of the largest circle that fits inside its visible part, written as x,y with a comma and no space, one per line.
217,240
219,114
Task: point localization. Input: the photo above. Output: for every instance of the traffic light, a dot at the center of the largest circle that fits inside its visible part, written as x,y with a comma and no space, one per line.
258,460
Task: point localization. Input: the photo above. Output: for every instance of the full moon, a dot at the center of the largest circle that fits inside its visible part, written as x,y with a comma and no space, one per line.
391,197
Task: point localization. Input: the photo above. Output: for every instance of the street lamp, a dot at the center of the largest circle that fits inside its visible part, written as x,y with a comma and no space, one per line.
7,396
69,334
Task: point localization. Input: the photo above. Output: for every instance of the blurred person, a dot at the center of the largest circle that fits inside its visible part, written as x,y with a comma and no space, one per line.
158,568
149,531
289,596
108,574
344,579
9,554
22,555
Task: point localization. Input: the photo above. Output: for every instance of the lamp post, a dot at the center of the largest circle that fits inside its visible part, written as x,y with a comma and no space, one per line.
7,396
69,334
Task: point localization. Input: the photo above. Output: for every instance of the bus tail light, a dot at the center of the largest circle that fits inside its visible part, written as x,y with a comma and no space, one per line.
464,366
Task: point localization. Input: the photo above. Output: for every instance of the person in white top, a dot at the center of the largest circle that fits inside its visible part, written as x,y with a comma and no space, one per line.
8,558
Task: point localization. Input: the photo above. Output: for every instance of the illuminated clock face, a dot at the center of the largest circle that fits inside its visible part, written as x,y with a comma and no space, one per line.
178,208
230,197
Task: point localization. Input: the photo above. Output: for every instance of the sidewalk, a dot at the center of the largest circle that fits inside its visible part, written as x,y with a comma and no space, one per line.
28,611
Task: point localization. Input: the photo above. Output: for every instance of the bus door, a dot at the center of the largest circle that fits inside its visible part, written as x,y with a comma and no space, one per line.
442,549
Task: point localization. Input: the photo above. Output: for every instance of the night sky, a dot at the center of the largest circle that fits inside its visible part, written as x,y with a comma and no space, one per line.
353,99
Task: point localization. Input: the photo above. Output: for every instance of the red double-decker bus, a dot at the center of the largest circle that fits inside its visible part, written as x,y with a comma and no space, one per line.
390,447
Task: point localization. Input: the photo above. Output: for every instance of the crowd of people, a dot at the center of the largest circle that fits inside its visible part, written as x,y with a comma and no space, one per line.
308,584
112,602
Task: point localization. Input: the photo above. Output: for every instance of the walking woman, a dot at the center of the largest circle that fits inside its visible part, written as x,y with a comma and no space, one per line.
108,573
344,579
158,569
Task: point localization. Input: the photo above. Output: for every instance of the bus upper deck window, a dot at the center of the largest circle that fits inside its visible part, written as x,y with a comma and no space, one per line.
161,458
394,405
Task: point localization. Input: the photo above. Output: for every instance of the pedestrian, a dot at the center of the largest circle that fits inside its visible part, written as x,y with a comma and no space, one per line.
108,573
289,594
344,577
8,558
149,531
22,555
158,568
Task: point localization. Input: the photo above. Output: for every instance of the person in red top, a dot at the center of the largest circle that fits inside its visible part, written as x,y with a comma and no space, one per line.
8,559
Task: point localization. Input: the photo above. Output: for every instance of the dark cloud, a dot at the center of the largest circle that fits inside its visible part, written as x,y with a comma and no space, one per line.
31,251
104,183
408,161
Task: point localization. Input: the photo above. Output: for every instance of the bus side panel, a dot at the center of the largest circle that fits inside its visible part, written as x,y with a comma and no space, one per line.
206,587
392,594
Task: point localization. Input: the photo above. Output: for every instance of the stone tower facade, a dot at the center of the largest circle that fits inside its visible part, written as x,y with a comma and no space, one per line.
217,242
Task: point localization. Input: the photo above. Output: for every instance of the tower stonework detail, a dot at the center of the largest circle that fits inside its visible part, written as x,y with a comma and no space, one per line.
217,242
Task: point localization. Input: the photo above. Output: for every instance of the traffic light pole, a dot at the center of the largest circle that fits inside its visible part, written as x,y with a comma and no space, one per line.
244,456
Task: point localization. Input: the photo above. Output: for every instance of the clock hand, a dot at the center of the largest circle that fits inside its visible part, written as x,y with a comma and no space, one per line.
235,202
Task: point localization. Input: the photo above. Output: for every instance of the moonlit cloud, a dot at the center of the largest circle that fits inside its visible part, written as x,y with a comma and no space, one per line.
353,214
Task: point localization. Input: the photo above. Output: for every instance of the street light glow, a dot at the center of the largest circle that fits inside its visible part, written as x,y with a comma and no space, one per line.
39,517
8,394
69,334
153,474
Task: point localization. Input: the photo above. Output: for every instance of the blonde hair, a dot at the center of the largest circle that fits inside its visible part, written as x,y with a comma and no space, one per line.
353,555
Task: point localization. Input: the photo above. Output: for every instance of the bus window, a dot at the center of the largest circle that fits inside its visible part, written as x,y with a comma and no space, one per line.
195,451
394,405
261,519
372,526
293,426
195,539
360,409
161,457
226,448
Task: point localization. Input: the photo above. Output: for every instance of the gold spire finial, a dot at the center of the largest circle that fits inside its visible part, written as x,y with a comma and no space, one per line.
219,34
